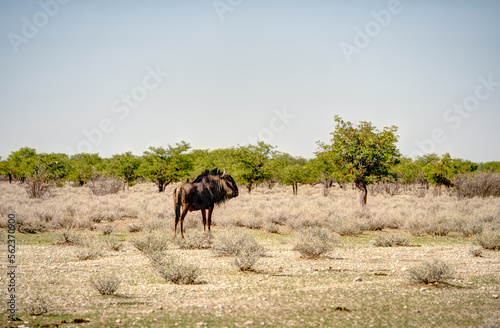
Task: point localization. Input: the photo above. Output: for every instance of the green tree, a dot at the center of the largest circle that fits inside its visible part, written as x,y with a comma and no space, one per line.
166,165
57,166
252,164
223,158
320,168
125,166
440,170
489,167
408,171
3,167
84,167
362,154
289,170
17,163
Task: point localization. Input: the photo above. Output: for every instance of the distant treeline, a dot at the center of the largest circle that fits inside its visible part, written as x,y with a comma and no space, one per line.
250,166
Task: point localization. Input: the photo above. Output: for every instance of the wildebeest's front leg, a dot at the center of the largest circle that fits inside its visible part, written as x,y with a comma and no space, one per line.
203,216
210,210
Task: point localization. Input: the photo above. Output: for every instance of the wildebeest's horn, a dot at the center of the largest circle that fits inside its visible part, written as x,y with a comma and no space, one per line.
224,173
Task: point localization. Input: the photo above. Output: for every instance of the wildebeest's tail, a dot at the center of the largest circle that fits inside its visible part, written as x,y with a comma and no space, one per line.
177,203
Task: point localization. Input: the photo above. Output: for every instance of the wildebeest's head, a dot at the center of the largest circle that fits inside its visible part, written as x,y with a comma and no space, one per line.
222,184
230,185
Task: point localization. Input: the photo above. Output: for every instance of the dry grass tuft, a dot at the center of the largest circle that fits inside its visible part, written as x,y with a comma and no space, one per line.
489,239
135,228
101,186
87,247
170,269
113,243
481,184
391,240
314,242
150,242
195,240
105,284
436,271
36,306
243,247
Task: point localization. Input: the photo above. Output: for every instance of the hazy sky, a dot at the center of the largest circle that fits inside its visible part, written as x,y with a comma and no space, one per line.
113,76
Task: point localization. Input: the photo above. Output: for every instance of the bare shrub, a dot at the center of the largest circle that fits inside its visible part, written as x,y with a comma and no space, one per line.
150,243
391,240
489,239
101,186
38,182
113,243
347,228
196,240
88,248
419,190
481,184
315,242
170,269
66,236
374,223
30,224
435,271
468,229
247,256
272,227
105,284
243,247
228,243
251,223
439,229
417,227
134,228
108,229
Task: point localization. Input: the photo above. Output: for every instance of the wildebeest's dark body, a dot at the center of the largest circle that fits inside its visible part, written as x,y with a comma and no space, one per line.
210,188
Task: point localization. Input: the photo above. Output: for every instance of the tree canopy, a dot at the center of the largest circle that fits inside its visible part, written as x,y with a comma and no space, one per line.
361,153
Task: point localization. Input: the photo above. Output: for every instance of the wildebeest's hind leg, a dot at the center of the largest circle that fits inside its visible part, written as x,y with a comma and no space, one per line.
183,215
204,217
210,210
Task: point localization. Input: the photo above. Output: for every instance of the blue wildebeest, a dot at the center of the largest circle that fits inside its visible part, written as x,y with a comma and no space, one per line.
209,188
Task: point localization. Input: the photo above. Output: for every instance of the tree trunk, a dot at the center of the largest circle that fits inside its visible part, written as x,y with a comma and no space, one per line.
363,193
249,188
295,188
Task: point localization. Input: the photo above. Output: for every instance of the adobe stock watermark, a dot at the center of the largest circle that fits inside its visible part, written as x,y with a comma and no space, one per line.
278,122
223,6
30,27
456,115
372,29
121,107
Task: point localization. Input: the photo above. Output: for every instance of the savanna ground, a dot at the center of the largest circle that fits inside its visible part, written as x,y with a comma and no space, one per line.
355,284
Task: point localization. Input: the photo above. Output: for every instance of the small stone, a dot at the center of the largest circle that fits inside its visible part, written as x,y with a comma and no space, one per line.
118,321
248,323
357,279
423,289
495,296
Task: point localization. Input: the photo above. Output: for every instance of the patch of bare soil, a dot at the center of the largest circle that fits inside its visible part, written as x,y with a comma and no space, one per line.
355,284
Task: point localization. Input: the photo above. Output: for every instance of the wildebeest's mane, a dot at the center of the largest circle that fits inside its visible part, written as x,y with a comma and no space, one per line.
212,179
214,172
